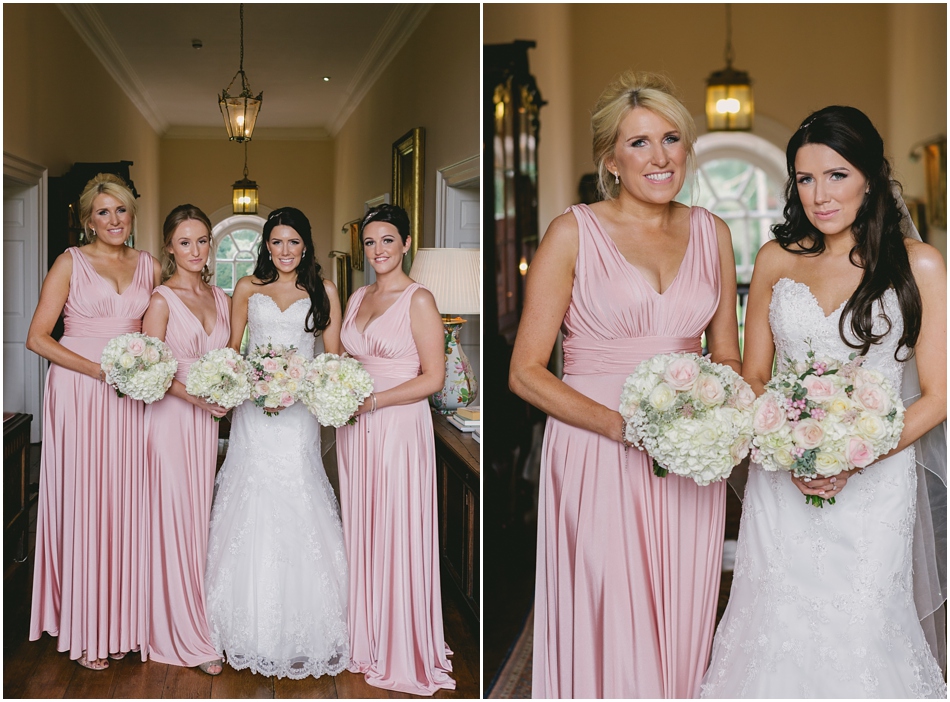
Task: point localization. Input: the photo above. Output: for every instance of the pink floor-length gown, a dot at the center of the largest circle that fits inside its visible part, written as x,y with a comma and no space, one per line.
628,563
88,583
388,500
182,451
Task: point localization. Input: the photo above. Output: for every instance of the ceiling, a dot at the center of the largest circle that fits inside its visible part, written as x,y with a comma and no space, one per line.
288,49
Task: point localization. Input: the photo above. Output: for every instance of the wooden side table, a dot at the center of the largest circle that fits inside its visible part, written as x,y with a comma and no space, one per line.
16,481
458,471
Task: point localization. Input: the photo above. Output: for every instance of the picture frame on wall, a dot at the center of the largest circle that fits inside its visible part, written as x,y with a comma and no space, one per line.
409,183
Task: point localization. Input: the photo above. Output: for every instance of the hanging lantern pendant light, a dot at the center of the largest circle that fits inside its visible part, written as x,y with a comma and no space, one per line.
729,105
244,193
240,111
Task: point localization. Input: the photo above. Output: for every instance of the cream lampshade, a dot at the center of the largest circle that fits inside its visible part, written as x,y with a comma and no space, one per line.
454,277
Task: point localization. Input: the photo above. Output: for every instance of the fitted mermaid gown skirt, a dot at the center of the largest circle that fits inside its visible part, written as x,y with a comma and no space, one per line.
182,449
826,589
387,488
628,564
276,581
88,582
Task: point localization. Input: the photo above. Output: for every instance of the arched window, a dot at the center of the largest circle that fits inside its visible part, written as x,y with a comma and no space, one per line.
740,178
237,240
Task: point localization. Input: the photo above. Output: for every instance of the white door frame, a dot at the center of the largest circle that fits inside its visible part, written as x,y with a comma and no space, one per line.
458,175
23,172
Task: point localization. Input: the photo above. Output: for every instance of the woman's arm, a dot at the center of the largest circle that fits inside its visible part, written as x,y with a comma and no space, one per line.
722,333
759,345
242,293
428,333
930,275
39,339
547,298
331,335
155,323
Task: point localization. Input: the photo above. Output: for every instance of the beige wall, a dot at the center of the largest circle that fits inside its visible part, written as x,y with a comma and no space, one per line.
433,82
887,60
61,107
288,173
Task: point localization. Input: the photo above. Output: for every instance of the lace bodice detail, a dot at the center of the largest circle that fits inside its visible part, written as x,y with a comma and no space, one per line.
797,320
267,324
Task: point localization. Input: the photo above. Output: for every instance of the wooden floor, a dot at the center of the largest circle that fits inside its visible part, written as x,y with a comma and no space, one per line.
35,669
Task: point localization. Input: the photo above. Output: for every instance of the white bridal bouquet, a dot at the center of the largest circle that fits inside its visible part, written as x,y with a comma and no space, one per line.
333,388
691,415
139,366
275,375
220,376
821,418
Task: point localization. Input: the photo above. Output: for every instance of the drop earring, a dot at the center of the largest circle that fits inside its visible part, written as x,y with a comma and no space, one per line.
617,177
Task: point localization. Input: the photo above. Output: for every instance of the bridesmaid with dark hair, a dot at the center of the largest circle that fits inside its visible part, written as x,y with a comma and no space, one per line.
387,471
90,550
192,317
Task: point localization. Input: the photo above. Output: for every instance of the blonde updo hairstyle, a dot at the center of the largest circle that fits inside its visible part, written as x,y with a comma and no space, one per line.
110,185
635,89
180,214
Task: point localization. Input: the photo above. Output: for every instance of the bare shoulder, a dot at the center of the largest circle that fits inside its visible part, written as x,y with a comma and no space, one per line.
329,287
63,265
246,285
158,301
560,241
423,299
926,262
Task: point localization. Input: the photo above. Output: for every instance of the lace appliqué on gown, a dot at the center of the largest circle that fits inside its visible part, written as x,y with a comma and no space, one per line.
277,573
825,589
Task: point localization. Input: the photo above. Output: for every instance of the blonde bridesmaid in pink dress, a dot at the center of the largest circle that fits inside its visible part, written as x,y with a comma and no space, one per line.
193,318
88,587
387,472
628,563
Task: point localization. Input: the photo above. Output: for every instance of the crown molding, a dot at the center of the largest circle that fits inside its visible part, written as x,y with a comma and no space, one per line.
260,133
391,38
85,19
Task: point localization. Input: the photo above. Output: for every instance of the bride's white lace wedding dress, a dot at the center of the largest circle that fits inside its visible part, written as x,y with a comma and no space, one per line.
276,579
822,599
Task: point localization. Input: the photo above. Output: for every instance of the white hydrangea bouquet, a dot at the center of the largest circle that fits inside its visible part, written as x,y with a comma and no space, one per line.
275,375
691,415
139,366
220,376
822,417
333,388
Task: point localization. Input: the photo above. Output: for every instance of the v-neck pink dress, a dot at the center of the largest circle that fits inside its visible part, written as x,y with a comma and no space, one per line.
628,563
88,583
182,451
387,496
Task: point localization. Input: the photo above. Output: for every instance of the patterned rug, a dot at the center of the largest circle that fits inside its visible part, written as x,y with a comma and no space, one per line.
513,681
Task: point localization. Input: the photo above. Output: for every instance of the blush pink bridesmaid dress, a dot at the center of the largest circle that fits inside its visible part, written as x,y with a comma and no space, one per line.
88,583
387,496
182,451
628,564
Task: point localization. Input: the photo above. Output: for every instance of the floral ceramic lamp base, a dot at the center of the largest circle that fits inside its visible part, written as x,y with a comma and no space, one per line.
460,388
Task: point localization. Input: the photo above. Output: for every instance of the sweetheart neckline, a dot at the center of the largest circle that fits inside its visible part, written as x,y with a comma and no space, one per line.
278,306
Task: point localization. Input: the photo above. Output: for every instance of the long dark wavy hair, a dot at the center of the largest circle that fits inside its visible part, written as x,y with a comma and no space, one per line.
308,270
879,247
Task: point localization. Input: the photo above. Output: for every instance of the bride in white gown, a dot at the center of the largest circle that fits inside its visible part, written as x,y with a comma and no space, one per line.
823,600
276,579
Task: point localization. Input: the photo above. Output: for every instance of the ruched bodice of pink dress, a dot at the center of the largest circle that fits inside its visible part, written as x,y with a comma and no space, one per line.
88,583
182,451
628,563
387,495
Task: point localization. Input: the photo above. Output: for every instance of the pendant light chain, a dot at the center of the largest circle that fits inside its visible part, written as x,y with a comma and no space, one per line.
242,38
729,53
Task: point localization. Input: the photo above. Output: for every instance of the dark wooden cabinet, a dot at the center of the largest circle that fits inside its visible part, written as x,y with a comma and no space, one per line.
458,477
16,481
